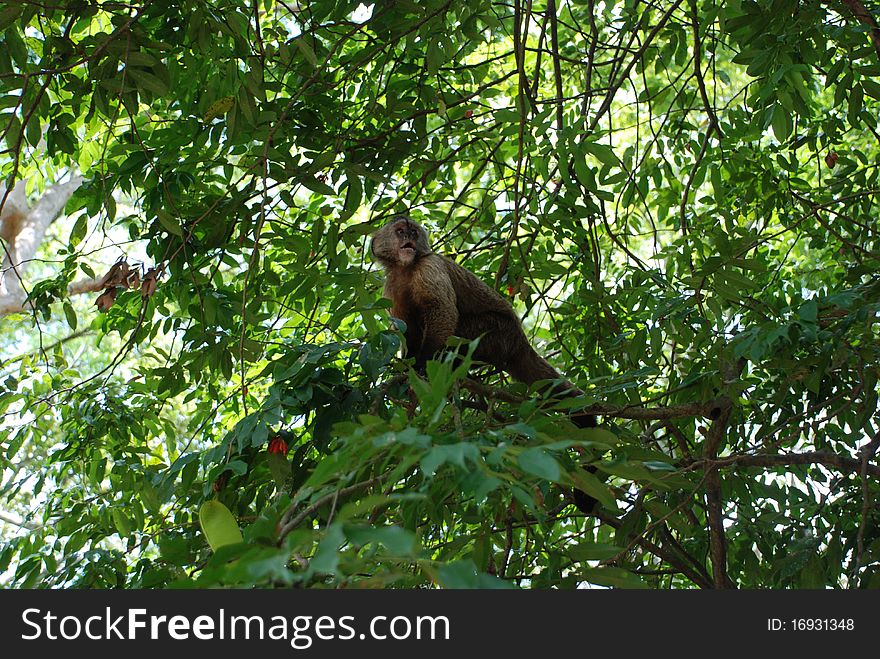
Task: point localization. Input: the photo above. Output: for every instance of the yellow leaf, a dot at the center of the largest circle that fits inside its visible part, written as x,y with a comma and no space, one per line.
218,107
218,525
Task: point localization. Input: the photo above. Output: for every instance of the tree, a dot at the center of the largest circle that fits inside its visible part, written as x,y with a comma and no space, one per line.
679,198
22,229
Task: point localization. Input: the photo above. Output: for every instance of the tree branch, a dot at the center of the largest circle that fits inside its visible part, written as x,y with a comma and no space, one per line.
832,460
47,348
698,72
23,229
10,304
682,563
15,521
289,522
864,16
612,90
865,455
714,512
557,66
709,409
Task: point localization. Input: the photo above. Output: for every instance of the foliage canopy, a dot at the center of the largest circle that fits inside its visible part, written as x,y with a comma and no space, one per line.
678,197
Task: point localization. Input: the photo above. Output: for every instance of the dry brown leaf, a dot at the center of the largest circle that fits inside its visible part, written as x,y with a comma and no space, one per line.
133,280
106,299
117,275
149,283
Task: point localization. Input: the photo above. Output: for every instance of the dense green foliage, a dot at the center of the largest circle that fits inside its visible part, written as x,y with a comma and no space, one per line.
678,197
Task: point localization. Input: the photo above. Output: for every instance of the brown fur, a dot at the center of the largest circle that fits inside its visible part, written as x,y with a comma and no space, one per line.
437,298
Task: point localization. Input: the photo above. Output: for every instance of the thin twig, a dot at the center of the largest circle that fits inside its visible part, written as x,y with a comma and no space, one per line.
287,523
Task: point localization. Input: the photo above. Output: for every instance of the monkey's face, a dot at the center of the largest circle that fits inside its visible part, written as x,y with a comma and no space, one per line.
400,242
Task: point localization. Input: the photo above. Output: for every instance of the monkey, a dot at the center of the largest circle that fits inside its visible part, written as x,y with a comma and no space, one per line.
437,298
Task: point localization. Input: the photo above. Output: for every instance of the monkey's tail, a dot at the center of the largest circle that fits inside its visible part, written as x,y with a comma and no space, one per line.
528,366
531,367
584,502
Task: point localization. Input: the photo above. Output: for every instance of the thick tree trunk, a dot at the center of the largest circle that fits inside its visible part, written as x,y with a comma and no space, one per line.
22,229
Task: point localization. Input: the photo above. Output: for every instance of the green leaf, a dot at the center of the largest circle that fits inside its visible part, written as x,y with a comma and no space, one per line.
169,223
463,574
457,454
538,462
434,57
306,49
599,436
326,558
315,185
147,81
397,540
871,87
8,15
613,577
121,522
246,106
809,311
854,104
279,466
137,58
604,153
69,314
588,483
782,123
592,551
218,525
327,468
150,496
79,230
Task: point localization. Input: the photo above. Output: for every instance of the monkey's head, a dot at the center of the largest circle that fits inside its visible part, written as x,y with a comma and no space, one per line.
400,242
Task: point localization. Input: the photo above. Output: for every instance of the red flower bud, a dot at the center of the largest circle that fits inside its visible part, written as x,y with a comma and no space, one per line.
278,446
831,159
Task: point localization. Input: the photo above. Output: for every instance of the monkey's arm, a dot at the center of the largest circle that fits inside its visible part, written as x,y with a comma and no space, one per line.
439,313
440,321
